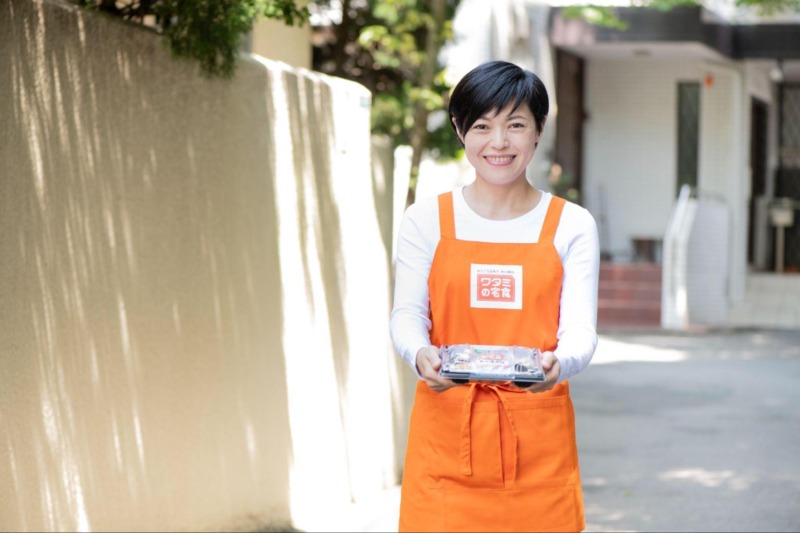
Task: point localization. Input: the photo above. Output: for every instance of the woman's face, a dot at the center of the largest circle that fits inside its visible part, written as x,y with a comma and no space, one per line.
500,145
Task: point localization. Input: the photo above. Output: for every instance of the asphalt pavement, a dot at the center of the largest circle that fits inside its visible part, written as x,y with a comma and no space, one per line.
691,431
680,431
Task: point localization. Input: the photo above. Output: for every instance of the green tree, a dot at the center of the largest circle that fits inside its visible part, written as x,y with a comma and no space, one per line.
392,47
208,31
606,15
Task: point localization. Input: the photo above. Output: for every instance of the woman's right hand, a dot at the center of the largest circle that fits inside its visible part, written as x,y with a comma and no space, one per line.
428,363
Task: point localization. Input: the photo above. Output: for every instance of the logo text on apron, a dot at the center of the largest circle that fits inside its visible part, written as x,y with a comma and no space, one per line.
496,286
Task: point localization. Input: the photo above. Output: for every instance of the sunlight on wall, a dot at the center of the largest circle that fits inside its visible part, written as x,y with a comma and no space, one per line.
372,385
319,467
341,383
195,289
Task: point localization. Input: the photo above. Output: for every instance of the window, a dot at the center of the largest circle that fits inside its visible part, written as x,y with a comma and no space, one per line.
688,133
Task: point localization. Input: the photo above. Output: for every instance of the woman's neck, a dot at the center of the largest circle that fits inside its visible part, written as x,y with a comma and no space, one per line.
505,202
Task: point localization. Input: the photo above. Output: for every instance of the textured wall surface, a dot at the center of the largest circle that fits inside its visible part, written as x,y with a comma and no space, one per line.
194,287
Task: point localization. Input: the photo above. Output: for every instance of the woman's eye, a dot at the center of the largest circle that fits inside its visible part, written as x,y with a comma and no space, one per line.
479,127
517,125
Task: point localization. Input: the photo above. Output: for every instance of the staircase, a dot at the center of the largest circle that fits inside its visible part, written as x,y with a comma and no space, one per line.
629,296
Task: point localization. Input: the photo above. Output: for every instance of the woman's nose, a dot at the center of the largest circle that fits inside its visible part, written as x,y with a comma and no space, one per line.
499,139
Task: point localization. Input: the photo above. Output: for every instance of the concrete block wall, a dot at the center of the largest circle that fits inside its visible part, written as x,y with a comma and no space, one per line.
194,287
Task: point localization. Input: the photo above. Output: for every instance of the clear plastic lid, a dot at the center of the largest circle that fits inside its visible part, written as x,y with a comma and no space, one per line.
476,362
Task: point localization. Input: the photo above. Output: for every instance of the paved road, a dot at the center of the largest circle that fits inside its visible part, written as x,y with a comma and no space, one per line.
691,431
680,432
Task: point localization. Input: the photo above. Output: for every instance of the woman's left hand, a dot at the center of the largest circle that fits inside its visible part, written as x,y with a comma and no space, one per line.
551,372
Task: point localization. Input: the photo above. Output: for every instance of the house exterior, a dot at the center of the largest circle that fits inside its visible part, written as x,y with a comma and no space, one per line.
687,96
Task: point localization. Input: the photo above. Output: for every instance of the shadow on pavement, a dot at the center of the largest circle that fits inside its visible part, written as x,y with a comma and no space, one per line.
691,431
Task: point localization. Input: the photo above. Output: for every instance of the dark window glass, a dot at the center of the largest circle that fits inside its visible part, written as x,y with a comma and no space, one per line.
688,133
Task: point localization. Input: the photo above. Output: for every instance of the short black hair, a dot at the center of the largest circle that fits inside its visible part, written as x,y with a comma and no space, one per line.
493,85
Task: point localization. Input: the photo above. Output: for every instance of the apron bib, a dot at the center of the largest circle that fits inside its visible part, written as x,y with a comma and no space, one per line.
484,457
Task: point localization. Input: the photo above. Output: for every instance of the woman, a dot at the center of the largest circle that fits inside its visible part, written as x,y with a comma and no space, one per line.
495,457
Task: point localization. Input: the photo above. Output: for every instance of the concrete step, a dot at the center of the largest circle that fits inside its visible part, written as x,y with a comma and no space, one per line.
770,300
629,295
649,272
632,290
627,316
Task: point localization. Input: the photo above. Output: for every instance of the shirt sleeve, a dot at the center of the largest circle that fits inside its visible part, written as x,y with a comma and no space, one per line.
577,335
410,321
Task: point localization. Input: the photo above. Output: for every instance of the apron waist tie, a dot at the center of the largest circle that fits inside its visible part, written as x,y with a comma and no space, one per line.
466,440
466,420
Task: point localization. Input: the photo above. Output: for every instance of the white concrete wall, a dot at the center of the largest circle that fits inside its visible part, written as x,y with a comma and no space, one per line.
279,42
708,269
724,160
630,146
772,301
631,150
194,329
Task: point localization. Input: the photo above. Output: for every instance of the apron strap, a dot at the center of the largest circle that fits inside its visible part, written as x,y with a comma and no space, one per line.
551,219
447,221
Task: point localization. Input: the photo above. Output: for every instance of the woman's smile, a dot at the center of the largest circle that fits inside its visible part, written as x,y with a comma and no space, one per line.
501,143
499,160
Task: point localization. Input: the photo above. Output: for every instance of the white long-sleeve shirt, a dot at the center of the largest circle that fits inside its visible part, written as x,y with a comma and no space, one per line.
576,241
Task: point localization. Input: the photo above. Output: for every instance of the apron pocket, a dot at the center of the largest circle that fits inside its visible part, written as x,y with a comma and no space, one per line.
550,509
445,454
547,449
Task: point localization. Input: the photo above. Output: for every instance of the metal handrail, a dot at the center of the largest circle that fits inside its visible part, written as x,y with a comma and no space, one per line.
674,314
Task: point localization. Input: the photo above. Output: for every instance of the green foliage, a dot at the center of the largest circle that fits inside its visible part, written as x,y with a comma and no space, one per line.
603,16
563,184
396,39
389,46
666,5
606,16
207,31
393,115
771,7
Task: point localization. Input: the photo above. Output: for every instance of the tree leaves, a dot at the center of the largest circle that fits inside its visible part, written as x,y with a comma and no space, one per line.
605,16
207,31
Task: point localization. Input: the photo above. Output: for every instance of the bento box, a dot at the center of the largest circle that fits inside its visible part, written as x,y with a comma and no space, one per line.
477,362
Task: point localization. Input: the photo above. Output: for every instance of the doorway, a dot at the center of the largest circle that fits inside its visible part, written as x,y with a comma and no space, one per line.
758,172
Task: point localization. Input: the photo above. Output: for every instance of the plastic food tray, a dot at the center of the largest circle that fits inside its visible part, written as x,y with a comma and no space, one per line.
476,362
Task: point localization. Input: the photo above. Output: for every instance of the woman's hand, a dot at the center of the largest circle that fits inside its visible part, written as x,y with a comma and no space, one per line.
428,363
551,372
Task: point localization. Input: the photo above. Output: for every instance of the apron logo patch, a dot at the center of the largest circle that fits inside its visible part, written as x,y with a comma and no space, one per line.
496,286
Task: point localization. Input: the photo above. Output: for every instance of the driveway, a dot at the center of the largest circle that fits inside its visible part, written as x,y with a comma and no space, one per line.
695,431
691,431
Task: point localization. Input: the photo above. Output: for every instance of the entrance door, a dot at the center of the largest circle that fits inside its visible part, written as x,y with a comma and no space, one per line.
569,133
758,169
788,182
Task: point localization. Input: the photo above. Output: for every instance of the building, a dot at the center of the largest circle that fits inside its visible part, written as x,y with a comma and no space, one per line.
689,96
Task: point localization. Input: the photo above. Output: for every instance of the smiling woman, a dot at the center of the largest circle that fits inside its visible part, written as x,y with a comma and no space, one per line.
501,144
545,250
498,113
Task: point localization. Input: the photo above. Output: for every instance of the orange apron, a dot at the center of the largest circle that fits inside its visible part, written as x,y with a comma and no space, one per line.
484,457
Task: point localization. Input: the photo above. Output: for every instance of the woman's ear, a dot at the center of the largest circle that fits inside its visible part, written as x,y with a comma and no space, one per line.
458,132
